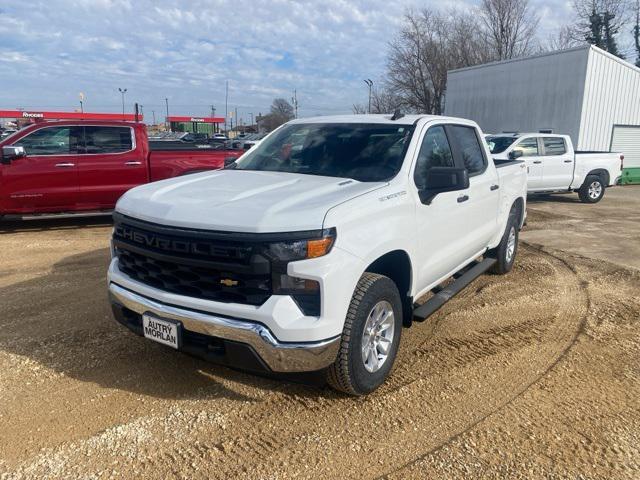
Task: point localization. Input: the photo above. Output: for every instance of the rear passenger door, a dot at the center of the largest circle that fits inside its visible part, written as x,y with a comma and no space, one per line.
480,201
109,166
557,164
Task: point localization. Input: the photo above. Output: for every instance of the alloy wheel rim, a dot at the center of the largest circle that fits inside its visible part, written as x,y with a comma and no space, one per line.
511,244
595,189
377,337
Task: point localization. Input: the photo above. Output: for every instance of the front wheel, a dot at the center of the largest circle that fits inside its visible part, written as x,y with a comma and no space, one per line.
370,337
592,189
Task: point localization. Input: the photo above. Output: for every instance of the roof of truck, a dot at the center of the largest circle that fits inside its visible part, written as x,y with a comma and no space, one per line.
373,118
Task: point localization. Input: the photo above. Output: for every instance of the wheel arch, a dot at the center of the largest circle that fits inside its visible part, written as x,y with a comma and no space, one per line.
396,265
599,172
518,204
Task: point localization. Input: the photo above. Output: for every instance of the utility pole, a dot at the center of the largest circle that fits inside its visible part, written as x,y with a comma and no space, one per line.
213,111
166,119
369,82
236,121
122,92
142,110
153,112
81,100
251,118
294,100
226,105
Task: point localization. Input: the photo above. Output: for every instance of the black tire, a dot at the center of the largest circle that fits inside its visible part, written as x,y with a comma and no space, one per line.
592,190
505,260
348,373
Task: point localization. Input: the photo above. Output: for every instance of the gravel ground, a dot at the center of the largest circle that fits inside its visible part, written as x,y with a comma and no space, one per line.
531,375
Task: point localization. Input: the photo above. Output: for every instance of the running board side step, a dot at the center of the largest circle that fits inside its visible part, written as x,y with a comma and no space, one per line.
443,295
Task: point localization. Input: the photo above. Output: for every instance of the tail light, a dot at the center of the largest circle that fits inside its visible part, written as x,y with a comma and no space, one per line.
621,162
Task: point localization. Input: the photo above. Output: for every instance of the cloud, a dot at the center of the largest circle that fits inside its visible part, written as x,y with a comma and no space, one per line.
186,52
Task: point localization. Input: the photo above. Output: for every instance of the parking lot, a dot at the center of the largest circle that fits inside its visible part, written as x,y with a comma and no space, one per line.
532,374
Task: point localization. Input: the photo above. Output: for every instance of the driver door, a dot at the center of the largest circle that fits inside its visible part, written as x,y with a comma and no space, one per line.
441,231
46,179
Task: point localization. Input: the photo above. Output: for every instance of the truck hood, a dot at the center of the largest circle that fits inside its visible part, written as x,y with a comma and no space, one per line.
242,201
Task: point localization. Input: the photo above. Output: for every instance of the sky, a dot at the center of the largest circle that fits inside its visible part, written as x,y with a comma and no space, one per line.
186,51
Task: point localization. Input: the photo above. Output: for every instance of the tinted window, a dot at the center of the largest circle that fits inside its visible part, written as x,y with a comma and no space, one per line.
434,152
554,146
499,144
107,139
364,152
528,147
50,141
468,147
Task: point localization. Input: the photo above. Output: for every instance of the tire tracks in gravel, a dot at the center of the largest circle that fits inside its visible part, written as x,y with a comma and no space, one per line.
477,355
272,434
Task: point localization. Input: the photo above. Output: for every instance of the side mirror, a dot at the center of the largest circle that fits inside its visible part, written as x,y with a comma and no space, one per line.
441,180
11,153
513,154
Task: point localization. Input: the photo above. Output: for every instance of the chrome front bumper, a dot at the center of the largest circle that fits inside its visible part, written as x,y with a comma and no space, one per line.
278,356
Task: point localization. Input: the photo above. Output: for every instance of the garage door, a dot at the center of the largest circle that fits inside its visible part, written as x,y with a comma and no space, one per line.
626,139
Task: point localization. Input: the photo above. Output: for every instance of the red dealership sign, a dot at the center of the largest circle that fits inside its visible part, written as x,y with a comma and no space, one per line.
67,115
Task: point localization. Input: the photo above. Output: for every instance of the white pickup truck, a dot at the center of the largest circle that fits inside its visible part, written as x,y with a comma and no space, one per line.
309,252
554,167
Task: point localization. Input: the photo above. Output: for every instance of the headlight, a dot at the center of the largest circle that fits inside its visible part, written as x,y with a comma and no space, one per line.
302,249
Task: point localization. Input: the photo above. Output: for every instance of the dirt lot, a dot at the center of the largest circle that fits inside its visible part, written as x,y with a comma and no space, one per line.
531,375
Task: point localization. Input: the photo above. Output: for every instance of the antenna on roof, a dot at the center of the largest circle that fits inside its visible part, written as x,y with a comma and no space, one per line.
397,115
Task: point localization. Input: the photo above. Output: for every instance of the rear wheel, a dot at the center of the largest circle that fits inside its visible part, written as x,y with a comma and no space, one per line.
370,337
505,252
592,189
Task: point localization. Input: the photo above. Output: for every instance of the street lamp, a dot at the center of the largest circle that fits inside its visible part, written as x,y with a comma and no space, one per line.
369,82
122,92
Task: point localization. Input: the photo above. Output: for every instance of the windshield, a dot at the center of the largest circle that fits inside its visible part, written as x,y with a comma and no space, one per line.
500,144
363,152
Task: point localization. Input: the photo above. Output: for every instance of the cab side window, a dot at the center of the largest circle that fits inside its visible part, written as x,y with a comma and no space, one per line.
434,152
50,141
528,147
468,148
107,139
554,146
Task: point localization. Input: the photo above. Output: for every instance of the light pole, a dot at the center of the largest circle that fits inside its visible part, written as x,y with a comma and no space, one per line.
122,92
369,82
81,101
166,120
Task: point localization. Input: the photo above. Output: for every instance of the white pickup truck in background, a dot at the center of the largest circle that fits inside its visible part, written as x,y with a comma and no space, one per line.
554,167
311,250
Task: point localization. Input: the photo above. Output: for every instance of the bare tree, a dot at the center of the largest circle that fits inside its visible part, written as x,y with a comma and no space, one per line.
359,109
563,39
511,27
428,45
281,112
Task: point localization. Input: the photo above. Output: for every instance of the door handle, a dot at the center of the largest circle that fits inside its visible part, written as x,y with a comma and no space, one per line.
537,161
133,163
494,187
568,161
463,198
65,165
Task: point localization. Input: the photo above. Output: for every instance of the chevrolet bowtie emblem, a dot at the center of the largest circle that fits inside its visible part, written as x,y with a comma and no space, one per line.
227,282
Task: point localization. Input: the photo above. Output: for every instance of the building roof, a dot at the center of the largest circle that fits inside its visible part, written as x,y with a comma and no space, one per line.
585,47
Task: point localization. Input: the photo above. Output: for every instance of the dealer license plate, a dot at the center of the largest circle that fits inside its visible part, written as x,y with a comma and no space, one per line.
161,331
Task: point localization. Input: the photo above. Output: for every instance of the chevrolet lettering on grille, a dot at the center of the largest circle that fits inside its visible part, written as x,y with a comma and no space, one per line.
155,241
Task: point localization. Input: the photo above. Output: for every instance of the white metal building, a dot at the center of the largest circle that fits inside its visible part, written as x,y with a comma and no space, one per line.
584,92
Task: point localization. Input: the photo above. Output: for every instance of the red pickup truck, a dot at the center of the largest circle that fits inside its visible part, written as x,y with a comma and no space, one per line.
66,166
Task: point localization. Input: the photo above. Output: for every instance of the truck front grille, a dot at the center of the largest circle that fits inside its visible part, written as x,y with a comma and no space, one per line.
192,281
192,263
